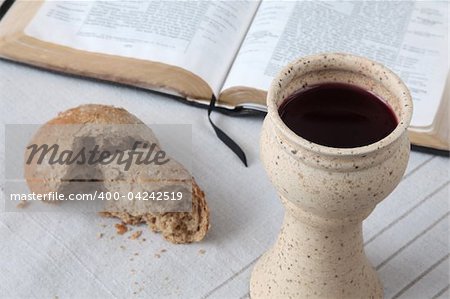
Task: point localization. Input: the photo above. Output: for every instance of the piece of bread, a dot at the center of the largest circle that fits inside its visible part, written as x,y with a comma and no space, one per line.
176,227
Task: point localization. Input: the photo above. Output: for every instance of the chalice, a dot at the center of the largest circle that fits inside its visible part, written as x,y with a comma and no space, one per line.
328,191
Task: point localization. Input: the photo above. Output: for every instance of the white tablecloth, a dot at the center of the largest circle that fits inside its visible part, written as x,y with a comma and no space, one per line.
52,255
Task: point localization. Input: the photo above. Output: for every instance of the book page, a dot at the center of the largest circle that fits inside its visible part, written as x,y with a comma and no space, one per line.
200,36
410,38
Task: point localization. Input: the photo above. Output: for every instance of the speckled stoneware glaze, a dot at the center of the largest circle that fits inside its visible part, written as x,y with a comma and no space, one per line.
328,192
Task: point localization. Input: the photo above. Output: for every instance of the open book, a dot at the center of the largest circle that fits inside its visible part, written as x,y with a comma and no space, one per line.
233,49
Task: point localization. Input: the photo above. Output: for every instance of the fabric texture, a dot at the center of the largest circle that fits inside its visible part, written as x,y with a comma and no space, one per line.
54,255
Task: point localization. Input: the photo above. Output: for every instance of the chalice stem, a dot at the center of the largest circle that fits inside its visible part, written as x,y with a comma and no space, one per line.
316,257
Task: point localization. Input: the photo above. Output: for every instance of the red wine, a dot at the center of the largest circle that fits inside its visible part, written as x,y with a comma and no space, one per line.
338,115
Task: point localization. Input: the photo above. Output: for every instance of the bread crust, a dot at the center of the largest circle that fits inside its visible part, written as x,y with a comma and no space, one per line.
176,227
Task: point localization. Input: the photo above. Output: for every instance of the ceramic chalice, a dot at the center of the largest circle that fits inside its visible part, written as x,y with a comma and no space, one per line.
327,192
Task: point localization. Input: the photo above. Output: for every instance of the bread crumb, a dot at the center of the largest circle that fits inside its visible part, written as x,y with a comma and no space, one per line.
121,228
144,239
122,247
202,251
177,228
163,250
157,255
99,235
136,235
22,204
112,238
136,253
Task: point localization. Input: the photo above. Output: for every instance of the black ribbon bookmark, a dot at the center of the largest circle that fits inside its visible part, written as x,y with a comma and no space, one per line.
224,137
5,7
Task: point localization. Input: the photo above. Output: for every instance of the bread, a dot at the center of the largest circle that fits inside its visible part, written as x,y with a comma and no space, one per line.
89,120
